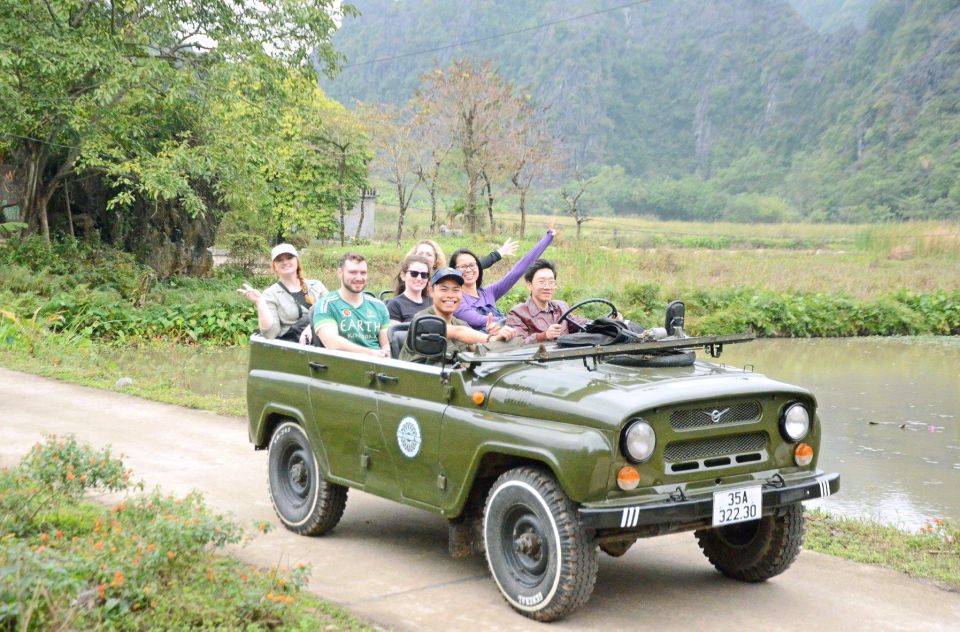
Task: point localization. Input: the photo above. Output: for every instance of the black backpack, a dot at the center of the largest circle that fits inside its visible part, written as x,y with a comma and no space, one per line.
603,332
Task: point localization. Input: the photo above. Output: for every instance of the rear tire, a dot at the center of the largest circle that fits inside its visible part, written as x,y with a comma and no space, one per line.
757,550
542,560
305,502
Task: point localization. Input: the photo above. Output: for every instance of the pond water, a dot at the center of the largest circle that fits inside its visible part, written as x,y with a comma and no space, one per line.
889,408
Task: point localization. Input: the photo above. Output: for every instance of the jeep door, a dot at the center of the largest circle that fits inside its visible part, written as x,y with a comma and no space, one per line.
403,448
341,397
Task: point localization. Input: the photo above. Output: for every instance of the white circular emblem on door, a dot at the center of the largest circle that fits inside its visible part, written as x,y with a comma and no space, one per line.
408,437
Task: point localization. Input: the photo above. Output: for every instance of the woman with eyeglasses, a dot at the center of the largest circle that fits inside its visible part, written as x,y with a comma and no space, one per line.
433,253
410,296
479,306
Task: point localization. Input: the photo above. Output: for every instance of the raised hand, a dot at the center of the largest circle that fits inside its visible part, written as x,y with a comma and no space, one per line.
249,293
509,248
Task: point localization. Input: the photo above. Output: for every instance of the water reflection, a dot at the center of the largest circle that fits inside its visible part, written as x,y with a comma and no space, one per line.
889,412
889,408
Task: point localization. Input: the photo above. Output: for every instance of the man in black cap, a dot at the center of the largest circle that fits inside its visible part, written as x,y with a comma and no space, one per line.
447,284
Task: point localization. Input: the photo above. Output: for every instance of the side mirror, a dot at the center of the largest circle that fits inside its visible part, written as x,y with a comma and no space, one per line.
428,336
674,319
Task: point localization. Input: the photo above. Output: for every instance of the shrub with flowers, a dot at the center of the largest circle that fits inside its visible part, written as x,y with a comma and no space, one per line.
147,562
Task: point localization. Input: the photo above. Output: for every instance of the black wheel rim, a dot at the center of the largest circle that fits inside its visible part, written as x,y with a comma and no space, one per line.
296,475
525,545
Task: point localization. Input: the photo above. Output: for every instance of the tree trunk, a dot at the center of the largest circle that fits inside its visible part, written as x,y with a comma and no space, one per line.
66,198
363,199
402,213
523,212
471,207
35,196
489,188
579,224
341,173
433,197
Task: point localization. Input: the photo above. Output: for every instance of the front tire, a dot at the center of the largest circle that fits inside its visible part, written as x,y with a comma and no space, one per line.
305,502
543,562
757,550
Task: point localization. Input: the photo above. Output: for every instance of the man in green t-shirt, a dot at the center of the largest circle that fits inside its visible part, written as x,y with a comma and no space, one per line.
350,320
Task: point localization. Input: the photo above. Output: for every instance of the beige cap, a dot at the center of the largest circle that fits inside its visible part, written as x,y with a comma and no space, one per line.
281,249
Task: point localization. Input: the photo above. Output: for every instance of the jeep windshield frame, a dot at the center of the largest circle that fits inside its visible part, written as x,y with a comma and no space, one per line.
712,344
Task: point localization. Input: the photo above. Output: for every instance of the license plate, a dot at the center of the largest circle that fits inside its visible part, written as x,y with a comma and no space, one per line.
737,505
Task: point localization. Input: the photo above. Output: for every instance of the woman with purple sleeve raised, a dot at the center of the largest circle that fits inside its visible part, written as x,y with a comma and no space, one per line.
479,306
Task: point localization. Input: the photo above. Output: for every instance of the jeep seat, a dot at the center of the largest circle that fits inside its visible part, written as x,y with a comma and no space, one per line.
396,335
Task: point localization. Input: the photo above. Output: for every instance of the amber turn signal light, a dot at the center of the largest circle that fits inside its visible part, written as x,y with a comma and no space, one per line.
478,397
803,454
628,478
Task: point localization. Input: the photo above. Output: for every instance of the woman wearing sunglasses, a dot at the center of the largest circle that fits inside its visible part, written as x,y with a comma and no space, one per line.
410,295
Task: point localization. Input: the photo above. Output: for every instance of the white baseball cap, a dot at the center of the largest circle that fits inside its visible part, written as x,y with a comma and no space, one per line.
281,249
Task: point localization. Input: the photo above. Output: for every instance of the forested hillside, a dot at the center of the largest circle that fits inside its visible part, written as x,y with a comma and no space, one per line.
838,111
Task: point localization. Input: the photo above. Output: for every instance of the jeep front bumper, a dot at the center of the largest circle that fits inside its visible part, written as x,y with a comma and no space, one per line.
698,505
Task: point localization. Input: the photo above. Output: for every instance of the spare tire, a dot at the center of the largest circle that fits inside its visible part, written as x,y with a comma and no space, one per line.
674,358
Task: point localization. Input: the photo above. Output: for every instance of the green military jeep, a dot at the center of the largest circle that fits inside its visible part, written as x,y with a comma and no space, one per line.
541,455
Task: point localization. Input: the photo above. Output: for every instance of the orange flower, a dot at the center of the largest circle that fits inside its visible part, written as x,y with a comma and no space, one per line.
102,590
150,547
70,476
98,545
44,537
59,534
171,555
118,579
83,478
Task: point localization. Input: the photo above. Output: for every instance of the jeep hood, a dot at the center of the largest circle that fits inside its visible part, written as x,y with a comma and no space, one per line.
604,396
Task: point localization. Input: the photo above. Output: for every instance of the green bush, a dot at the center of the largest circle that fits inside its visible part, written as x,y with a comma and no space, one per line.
148,562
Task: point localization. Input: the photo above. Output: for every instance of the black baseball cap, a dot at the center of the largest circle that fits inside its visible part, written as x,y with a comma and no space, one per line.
447,273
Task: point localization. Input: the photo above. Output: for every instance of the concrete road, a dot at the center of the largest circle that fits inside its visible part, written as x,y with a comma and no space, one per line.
388,563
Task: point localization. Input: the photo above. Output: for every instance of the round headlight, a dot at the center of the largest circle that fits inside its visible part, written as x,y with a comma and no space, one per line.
639,440
795,422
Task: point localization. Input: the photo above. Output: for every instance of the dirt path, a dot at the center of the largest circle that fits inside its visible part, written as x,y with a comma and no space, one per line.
388,563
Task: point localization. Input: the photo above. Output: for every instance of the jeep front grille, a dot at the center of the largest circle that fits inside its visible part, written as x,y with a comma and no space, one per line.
716,452
692,418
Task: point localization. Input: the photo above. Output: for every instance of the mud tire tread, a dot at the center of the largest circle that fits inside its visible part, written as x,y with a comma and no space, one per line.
771,551
578,573
330,500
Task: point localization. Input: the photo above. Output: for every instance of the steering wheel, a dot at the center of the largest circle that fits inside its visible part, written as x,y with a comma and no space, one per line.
576,306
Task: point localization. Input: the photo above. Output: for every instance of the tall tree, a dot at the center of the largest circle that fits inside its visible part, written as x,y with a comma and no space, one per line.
471,101
85,80
435,144
572,194
394,138
341,136
531,152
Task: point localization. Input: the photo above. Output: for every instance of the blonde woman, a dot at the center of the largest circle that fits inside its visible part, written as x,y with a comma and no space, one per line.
433,253
283,304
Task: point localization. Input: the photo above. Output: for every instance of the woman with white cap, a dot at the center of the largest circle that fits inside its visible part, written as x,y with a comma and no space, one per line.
287,301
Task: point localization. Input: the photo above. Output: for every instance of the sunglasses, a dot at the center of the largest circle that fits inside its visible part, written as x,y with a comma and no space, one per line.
418,275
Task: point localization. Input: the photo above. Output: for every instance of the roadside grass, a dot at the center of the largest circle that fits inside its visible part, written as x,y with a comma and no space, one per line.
81,361
147,562
933,553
